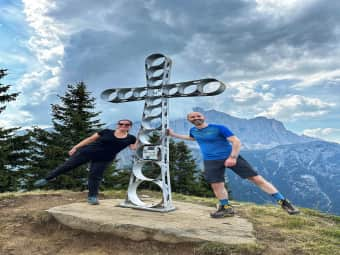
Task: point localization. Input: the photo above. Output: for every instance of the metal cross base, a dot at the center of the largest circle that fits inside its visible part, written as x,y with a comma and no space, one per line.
155,122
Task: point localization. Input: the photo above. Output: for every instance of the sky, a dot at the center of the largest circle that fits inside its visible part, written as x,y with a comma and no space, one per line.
278,59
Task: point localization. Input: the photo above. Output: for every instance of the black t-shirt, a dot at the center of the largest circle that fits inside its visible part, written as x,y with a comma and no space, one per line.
107,145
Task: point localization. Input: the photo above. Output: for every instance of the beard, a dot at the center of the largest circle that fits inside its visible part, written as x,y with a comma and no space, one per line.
198,122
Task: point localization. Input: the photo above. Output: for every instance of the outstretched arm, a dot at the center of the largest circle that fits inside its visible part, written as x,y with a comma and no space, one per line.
184,137
84,142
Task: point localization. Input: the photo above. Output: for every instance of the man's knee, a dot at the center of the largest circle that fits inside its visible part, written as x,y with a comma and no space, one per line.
258,179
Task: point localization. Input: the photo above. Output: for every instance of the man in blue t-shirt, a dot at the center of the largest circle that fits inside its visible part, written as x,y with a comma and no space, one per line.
220,149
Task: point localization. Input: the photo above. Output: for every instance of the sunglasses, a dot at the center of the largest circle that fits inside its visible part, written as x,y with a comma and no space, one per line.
124,124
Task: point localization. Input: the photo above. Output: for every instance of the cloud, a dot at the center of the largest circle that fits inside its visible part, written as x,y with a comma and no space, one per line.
330,134
281,10
295,107
8,119
234,41
331,78
247,94
47,46
264,50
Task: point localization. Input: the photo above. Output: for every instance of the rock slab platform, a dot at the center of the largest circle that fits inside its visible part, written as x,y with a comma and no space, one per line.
188,223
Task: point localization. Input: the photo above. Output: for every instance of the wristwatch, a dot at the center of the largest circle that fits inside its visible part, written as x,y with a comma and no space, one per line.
233,156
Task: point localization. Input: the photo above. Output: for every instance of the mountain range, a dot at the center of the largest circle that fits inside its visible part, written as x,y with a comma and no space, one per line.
307,173
305,169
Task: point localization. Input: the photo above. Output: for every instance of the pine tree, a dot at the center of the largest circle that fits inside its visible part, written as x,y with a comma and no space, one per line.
182,168
41,157
116,178
203,188
186,177
73,120
10,145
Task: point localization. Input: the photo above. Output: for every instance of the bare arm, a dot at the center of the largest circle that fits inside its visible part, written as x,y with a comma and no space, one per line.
236,147
134,145
184,137
84,142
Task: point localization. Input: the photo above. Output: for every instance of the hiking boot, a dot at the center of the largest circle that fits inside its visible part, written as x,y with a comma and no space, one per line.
288,207
93,200
40,183
223,211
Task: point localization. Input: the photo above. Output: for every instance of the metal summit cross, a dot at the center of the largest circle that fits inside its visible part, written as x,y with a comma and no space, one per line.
154,125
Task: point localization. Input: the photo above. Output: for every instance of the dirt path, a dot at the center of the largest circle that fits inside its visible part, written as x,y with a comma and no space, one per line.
27,230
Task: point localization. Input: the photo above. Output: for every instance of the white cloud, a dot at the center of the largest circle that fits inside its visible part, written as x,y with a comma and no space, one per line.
9,57
47,46
250,45
165,15
42,69
31,127
331,77
11,117
248,95
296,106
281,10
330,134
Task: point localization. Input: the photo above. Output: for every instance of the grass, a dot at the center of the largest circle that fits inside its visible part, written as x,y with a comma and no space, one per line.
222,249
9,195
310,233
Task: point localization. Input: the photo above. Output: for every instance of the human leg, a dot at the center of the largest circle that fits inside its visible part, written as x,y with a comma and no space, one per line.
224,209
219,190
74,161
263,184
71,163
214,174
245,170
271,190
97,169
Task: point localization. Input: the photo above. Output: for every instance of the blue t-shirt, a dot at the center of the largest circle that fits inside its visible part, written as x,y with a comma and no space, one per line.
213,141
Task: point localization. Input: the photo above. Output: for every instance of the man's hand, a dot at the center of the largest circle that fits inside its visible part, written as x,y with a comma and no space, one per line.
230,162
169,132
72,151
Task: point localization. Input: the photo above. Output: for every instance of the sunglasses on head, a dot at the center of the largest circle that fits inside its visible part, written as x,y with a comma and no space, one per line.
124,124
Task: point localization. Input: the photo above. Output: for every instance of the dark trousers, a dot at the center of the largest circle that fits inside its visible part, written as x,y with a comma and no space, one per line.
97,169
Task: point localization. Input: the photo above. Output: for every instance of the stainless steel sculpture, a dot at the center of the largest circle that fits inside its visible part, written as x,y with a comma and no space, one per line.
155,121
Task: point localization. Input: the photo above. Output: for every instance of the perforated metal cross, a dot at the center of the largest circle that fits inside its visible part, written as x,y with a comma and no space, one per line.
155,122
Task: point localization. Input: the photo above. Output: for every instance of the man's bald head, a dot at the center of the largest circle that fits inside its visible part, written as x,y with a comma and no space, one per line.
196,118
194,114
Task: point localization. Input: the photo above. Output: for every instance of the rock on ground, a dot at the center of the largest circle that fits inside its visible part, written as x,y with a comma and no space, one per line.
188,223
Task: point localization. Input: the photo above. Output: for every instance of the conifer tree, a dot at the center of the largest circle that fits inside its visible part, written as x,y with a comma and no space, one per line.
41,156
182,168
186,177
116,178
73,120
203,188
11,152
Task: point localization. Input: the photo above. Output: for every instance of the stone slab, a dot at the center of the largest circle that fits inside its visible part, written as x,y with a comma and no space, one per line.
188,223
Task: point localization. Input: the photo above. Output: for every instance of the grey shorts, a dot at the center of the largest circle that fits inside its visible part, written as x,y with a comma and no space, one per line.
214,170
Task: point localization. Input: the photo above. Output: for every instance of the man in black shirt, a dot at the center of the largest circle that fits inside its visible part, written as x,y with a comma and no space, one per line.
99,149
